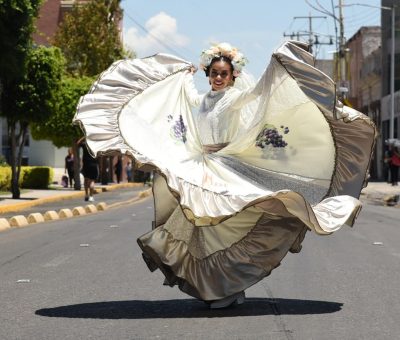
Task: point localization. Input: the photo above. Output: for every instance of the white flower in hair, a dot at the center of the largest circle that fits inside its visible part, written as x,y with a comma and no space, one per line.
226,50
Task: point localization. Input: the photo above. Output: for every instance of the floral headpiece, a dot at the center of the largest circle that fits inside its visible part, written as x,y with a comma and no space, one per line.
225,50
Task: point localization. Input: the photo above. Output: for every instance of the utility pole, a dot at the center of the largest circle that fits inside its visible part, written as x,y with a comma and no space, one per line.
392,73
343,84
310,32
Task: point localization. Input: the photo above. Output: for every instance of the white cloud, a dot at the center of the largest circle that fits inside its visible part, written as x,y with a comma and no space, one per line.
161,29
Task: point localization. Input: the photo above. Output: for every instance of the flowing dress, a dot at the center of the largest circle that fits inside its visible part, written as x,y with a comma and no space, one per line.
240,179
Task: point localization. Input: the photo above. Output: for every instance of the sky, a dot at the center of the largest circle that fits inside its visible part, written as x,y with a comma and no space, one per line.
256,27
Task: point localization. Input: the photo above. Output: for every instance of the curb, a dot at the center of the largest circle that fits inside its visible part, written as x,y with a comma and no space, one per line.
113,187
381,199
51,215
24,205
66,196
141,195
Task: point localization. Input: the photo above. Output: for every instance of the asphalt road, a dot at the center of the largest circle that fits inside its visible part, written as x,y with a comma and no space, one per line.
83,278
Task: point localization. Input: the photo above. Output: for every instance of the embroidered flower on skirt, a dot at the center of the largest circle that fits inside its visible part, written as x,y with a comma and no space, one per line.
270,136
178,128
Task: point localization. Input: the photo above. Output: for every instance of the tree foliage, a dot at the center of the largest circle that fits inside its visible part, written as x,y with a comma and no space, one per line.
58,128
16,27
35,97
89,37
31,99
29,77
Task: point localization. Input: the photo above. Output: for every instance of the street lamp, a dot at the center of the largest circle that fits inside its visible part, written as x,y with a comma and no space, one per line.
392,64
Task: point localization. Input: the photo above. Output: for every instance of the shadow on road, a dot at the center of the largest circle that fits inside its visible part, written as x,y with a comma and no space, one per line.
188,308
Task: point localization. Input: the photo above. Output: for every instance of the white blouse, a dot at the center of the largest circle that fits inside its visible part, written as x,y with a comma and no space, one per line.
218,118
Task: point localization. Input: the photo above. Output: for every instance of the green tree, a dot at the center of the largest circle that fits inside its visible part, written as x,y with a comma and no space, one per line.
31,99
28,77
89,37
58,128
16,26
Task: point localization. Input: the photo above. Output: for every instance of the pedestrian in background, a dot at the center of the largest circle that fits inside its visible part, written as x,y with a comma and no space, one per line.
89,170
386,165
69,167
128,171
394,165
118,169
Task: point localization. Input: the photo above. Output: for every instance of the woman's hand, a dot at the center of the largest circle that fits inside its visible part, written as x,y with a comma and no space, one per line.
193,69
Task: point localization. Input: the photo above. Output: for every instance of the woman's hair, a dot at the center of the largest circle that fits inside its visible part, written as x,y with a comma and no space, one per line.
216,59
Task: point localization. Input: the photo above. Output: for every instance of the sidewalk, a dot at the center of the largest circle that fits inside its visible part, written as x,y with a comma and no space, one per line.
56,193
381,193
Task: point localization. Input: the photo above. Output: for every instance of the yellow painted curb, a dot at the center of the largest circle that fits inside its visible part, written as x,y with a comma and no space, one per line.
145,193
18,221
65,213
90,209
24,205
101,206
35,218
120,185
4,224
66,196
78,211
51,215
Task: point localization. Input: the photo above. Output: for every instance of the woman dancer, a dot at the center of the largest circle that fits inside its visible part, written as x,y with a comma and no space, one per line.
241,181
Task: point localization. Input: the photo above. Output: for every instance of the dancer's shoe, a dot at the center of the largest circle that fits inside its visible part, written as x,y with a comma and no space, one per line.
235,299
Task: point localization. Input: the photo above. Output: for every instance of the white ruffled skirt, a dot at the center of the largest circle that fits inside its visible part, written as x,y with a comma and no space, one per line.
224,220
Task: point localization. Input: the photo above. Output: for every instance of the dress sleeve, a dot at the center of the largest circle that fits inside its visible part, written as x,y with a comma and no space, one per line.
251,93
192,95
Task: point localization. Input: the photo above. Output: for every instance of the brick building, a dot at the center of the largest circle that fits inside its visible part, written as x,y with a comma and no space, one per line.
361,45
364,70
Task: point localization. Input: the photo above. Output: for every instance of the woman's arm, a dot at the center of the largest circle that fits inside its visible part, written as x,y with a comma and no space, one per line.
192,95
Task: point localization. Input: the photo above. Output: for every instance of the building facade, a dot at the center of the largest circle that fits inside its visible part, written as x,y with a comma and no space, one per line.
364,80
370,102
360,46
386,24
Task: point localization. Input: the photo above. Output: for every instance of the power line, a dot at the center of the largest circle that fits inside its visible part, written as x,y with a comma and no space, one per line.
313,37
169,48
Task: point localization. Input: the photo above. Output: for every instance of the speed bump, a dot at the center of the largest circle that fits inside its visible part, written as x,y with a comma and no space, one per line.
51,215
4,224
35,218
18,221
78,211
101,206
65,213
90,209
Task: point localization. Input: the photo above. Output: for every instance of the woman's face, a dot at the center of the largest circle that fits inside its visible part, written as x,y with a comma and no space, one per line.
220,75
